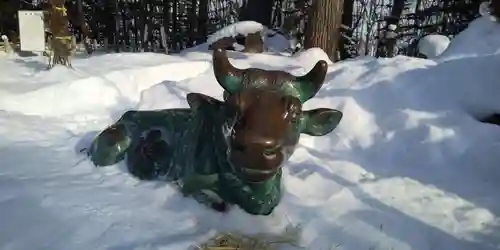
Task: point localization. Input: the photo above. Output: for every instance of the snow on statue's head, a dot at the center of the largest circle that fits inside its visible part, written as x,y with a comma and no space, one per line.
252,31
5,38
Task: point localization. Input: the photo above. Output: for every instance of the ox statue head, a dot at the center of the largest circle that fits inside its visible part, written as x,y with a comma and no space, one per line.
268,116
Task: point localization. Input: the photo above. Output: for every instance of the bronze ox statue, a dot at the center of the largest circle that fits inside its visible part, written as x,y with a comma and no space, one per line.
223,152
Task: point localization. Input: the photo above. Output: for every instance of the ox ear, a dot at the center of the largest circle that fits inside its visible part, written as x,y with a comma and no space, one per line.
321,121
197,100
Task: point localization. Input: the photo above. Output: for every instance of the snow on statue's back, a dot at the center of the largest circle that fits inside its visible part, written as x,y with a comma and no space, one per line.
433,45
240,28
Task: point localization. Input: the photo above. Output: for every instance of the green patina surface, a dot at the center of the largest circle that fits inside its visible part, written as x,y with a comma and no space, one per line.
194,156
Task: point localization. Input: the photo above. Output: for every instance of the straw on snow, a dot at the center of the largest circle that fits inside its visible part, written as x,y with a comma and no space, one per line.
234,241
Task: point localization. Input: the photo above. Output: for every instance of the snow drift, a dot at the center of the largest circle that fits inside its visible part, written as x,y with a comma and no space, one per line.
479,39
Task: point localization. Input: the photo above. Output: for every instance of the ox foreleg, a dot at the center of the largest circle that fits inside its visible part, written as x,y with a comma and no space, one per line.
254,198
109,147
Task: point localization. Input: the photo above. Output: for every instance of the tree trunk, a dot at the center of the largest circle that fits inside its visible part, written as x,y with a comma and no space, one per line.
387,42
202,21
495,8
347,16
111,32
258,10
323,26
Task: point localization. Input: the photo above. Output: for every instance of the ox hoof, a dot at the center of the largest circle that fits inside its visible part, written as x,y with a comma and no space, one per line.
110,146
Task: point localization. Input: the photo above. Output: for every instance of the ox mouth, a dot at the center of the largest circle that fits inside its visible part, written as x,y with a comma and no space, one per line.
257,175
258,171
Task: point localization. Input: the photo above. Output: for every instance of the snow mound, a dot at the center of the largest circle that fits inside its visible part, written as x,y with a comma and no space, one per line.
433,45
311,56
239,28
89,92
480,38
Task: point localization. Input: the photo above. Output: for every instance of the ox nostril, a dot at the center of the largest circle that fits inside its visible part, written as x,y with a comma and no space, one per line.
270,149
270,154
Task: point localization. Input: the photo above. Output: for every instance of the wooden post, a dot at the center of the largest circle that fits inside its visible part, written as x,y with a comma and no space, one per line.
254,43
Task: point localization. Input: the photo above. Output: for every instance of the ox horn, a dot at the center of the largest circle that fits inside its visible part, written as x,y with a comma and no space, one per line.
229,77
309,84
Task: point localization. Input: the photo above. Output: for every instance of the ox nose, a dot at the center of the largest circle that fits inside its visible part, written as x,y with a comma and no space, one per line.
270,147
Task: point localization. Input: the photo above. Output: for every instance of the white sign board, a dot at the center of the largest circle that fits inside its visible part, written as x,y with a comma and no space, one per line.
31,30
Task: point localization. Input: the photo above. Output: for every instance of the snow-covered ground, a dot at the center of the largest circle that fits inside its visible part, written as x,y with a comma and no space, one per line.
409,167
